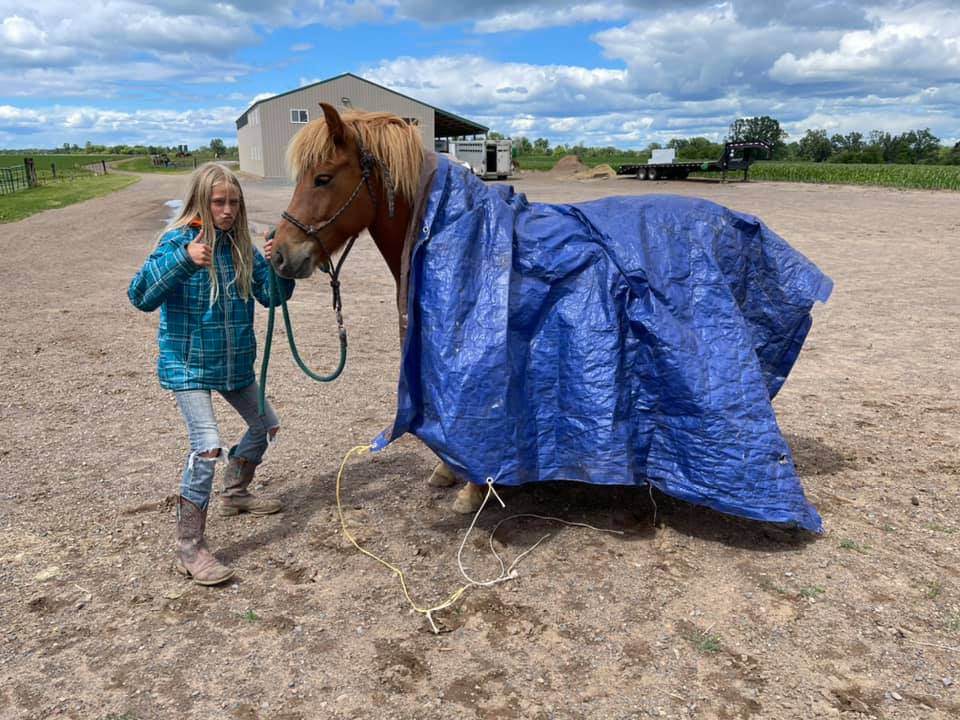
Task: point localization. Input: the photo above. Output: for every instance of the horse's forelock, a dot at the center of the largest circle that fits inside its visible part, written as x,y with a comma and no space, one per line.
309,147
394,142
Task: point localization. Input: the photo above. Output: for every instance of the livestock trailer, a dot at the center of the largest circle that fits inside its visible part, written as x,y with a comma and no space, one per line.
488,159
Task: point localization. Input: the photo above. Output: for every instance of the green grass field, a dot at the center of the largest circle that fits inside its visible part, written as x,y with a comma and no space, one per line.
65,163
178,166
19,205
919,177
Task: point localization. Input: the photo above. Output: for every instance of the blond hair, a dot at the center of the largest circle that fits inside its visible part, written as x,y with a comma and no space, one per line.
196,206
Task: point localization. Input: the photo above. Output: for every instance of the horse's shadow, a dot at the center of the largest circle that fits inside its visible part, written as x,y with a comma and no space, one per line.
635,513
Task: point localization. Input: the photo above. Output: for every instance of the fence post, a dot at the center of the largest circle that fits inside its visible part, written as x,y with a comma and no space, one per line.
31,172
53,170
104,164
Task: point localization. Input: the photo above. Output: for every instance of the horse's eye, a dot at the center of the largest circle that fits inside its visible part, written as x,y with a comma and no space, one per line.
321,180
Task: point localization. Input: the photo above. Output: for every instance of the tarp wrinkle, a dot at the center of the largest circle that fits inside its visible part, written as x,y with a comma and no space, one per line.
628,340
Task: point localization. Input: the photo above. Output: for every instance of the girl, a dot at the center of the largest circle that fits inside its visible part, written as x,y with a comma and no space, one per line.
203,275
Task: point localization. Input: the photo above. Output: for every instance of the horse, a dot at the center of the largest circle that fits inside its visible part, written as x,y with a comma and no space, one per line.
326,160
703,309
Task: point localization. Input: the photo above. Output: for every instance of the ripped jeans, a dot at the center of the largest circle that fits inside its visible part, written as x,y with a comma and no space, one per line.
196,406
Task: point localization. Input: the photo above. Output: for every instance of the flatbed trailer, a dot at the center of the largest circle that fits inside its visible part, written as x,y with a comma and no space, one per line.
736,156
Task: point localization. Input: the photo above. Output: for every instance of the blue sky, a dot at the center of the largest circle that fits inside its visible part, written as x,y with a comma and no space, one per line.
618,72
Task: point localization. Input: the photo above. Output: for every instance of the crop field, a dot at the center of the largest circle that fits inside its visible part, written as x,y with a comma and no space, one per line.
917,177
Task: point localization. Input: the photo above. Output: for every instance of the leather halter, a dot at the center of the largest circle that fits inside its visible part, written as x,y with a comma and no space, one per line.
367,163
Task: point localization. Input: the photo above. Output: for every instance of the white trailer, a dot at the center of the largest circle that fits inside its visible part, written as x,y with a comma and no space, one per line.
488,159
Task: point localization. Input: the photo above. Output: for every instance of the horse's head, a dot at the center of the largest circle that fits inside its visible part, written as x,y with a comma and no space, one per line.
330,203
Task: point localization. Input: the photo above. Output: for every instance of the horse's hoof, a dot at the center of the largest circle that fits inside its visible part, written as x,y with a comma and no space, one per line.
442,476
468,499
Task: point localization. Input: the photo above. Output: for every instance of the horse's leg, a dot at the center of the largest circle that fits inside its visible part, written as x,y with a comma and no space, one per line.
469,499
442,476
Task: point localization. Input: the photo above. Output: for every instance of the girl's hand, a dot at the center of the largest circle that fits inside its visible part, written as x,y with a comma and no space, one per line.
267,246
199,251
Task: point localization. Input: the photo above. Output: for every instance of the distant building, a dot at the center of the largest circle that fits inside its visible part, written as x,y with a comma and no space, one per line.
267,126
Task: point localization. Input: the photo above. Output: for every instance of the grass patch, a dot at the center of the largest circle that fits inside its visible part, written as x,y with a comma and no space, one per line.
811,591
704,641
24,203
934,588
771,586
953,624
848,544
249,616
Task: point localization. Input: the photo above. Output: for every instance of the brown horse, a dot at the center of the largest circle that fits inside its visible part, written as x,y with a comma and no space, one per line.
355,172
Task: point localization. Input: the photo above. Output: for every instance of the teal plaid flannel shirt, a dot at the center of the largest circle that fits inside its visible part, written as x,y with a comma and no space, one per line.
202,346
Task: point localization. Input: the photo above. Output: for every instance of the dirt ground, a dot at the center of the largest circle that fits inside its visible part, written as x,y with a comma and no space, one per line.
686,614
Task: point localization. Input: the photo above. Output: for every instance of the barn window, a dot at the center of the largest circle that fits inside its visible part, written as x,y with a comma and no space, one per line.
299,116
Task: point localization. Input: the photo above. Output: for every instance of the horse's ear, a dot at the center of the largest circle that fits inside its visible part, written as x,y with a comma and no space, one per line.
334,123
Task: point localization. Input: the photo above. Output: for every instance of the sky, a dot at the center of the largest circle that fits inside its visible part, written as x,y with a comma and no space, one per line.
622,73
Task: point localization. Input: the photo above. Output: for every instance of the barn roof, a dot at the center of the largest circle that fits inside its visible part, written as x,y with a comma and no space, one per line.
446,124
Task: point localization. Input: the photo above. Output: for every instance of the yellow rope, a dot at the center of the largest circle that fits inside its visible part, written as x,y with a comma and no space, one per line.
428,612
506,573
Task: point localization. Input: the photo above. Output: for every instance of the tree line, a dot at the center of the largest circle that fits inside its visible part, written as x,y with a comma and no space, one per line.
217,148
876,147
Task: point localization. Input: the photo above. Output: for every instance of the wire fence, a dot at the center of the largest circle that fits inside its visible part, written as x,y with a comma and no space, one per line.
30,174
13,178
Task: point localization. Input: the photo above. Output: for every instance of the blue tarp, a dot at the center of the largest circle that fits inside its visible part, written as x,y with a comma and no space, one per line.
621,341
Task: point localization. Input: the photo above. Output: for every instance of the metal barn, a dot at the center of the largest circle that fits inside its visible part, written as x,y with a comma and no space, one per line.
267,126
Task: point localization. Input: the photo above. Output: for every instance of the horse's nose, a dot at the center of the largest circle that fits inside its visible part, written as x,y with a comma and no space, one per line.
278,259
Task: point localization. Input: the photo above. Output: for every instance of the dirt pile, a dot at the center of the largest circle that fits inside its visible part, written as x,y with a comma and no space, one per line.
591,173
567,166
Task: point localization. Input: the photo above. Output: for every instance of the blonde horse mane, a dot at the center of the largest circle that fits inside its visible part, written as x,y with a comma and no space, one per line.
395,142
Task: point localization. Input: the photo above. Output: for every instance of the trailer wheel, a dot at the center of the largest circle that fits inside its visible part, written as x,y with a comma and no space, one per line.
651,173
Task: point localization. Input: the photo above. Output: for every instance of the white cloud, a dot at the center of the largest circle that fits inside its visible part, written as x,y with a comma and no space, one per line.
497,87
58,124
14,117
536,18
20,32
172,70
925,44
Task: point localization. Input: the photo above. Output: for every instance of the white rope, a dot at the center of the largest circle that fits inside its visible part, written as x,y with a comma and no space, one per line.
509,573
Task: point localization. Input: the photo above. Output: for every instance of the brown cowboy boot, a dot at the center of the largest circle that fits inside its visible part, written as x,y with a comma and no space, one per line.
235,498
194,559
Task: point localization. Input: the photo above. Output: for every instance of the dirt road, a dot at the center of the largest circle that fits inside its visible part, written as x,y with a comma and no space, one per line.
686,614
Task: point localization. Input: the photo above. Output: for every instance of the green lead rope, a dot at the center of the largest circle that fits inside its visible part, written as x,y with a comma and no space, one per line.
274,297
